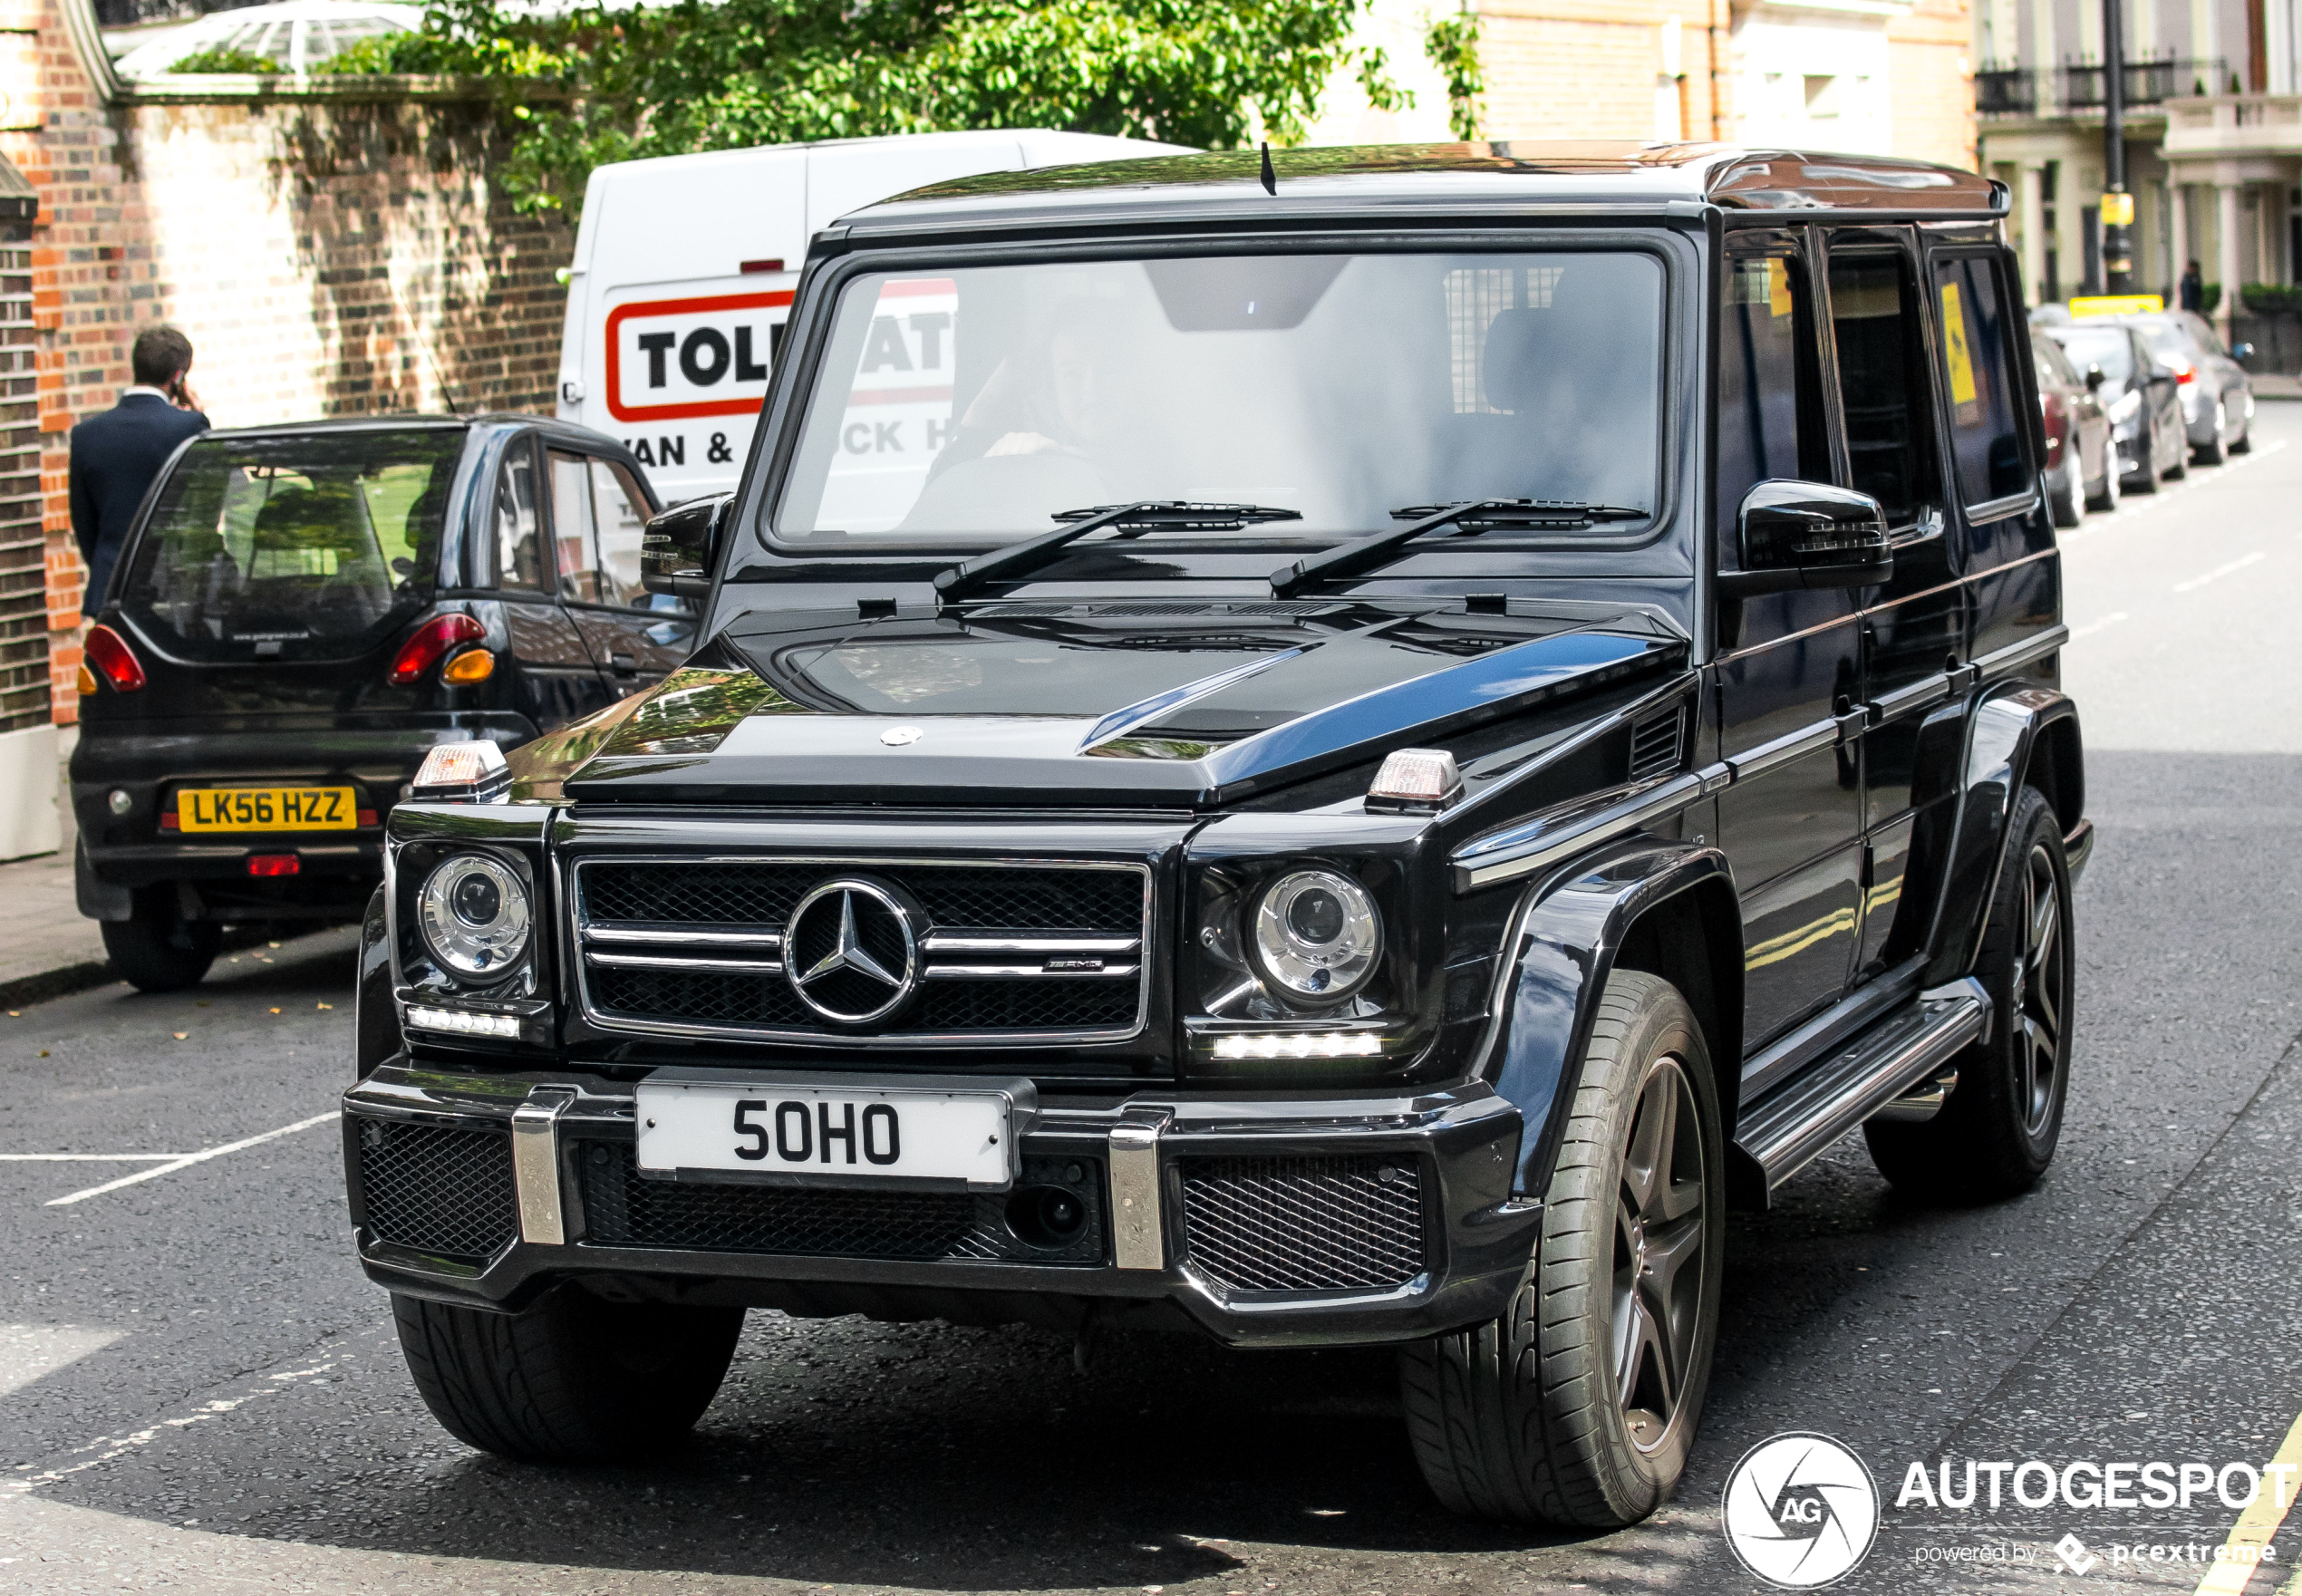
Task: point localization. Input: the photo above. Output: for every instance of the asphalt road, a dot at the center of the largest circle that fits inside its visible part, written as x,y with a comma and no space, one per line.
197,1392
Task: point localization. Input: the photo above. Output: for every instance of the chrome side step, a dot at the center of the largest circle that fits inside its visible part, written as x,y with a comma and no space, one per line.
1788,1129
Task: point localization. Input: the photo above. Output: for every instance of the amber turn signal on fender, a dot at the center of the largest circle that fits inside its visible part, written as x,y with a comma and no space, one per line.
87,681
474,664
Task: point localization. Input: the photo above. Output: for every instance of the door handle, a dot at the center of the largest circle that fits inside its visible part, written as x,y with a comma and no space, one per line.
623,664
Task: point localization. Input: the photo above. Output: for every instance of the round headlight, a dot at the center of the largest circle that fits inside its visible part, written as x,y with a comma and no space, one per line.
475,914
1317,935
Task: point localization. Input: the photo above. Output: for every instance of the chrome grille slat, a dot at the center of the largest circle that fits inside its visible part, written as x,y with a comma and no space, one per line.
668,945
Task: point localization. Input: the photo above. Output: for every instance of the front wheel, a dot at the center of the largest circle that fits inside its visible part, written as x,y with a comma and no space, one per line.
1579,1404
574,1379
1999,1128
2105,498
2146,475
2062,493
156,949
2215,452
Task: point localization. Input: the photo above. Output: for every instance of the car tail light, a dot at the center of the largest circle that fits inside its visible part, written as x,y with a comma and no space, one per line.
433,638
109,651
2186,376
274,864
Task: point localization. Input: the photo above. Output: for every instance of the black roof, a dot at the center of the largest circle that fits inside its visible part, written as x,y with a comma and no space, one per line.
1611,175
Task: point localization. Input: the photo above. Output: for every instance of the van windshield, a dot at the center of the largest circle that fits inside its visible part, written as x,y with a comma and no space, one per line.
295,549
988,400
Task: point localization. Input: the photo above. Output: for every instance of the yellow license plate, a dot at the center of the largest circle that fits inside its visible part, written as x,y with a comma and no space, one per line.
266,809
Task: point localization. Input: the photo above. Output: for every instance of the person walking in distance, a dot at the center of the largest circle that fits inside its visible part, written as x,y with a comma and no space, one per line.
2193,289
116,453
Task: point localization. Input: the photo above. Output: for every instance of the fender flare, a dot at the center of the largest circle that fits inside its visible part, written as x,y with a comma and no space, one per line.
1564,944
376,1022
2006,732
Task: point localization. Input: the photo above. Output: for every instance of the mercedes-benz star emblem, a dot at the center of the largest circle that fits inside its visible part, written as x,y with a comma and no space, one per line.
851,949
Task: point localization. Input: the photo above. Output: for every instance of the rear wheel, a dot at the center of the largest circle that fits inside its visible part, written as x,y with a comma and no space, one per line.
2215,453
1578,1405
2062,493
2105,496
1997,1130
574,1379
156,949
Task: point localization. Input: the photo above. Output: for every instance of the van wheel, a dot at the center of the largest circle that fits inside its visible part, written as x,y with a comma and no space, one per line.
574,1379
1578,1405
1997,1130
156,949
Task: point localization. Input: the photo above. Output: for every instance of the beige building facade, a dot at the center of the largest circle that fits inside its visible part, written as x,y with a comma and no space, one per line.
2213,141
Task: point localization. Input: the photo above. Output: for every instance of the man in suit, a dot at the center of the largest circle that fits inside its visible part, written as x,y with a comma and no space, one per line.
116,454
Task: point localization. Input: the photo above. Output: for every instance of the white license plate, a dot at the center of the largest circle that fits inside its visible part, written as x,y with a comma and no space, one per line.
847,1136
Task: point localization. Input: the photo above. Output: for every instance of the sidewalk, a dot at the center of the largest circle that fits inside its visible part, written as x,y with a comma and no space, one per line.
2271,385
46,949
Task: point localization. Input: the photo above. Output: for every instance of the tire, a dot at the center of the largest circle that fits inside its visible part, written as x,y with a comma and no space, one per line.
2244,443
156,949
2216,453
576,1379
2106,499
1523,1418
2179,465
1997,1130
2146,479
2062,497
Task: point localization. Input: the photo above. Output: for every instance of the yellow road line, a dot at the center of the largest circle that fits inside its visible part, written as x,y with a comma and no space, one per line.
2259,1523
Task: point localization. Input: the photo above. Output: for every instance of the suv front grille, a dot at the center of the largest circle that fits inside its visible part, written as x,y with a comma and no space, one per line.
438,1189
1004,952
623,1210
1304,1224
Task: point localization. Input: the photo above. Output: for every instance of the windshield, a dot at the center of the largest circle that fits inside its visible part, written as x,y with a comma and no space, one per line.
1343,387
310,548
2099,346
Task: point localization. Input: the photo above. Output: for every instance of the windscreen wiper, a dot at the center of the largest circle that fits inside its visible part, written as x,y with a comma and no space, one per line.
1131,520
1472,516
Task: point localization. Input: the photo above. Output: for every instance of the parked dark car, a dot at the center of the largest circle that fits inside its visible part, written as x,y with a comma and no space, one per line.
1343,766
2082,466
2217,396
301,614
2141,393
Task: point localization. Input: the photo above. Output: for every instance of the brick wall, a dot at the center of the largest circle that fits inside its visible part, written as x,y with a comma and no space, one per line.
1930,50
336,250
1590,68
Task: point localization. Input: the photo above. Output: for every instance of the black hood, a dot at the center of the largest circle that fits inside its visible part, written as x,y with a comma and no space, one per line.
1187,703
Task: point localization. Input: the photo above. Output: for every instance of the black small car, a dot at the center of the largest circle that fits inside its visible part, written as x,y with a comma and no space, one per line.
300,614
1338,762
2142,395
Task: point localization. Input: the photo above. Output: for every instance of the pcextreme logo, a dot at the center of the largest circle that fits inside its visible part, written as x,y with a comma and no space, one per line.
1800,1511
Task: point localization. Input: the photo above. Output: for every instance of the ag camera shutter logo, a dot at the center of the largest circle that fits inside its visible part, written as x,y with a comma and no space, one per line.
1800,1511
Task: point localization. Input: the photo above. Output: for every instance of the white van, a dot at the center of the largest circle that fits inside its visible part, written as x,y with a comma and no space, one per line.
684,269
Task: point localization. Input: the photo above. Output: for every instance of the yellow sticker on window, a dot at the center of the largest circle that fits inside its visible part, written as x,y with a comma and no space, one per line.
1779,288
1956,347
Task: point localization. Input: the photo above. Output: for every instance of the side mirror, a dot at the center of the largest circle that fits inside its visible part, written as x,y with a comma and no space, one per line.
681,547
2095,379
1794,535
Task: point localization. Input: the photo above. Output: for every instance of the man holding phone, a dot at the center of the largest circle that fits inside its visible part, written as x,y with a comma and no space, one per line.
116,454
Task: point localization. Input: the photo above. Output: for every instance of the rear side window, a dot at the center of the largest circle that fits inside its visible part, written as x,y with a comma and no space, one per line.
310,548
1881,383
2052,362
598,514
1986,449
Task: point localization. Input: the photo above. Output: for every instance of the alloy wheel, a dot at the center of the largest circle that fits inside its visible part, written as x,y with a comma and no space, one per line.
1661,1230
2040,991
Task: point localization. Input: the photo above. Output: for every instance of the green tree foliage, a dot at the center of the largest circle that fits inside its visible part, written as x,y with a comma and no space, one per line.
226,58
595,85
1452,44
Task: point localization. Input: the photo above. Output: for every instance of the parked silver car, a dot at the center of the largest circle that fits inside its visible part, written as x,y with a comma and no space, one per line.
2217,398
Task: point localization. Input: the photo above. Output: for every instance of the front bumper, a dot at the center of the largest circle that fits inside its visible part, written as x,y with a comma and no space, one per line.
537,1192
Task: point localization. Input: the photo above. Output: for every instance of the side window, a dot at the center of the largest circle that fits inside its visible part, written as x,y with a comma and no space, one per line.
1986,446
1767,413
1874,329
573,535
621,513
521,558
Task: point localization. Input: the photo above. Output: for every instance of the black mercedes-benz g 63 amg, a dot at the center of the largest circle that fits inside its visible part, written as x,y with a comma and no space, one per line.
1344,753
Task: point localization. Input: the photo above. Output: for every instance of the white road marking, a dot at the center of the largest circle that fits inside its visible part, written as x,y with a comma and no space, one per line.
90,1157
28,1351
2091,628
2219,571
188,1159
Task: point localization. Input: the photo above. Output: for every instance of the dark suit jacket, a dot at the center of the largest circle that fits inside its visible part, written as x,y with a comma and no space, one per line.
114,457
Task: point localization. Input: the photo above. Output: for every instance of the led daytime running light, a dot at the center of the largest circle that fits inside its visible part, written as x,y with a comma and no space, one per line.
457,1022
1301,1044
